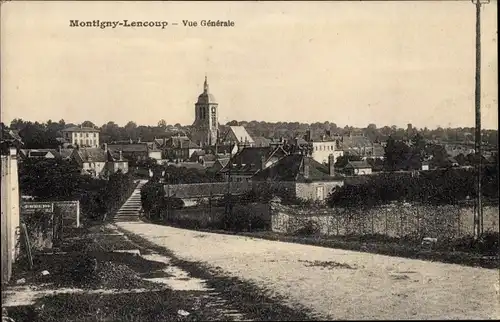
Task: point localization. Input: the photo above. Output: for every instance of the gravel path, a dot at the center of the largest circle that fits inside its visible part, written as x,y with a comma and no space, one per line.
339,284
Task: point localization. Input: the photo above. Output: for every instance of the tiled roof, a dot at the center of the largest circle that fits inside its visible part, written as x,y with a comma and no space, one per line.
92,154
65,153
240,133
356,142
248,160
80,129
209,157
358,165
134,147
114,155
223,161
39,153
261,141
10,135
290,168
225,148
189,165
177,142
206,189
160,142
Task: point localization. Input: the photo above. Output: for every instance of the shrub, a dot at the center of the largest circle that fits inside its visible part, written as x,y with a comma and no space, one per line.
309,228
241,218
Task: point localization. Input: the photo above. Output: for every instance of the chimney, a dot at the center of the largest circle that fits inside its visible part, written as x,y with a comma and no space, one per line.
105,146
331,165
121,156
328,133
306,167
60,148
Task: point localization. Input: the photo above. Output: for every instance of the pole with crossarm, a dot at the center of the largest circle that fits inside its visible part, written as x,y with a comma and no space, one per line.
478,218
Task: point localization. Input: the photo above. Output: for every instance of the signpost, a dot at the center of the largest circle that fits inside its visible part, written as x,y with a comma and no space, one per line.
32,207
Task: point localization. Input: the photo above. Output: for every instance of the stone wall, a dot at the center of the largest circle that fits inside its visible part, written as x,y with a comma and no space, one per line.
399,220
308,190
209,217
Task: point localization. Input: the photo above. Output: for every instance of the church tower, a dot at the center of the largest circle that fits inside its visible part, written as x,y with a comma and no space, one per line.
206,122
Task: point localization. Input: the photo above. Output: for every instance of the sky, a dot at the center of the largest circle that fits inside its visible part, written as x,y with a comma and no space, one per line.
351,63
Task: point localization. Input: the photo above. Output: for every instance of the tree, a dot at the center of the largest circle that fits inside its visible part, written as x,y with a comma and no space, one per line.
162,124
88,124
342,161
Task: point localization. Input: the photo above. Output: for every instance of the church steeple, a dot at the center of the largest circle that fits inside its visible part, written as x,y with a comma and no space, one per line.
205,85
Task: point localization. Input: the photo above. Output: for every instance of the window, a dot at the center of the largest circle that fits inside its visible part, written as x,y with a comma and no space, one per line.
95,134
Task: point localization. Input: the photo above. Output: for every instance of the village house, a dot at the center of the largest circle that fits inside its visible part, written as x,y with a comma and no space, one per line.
81,136
99,162
11,138
261,142
300,176
249,161
139,151
220,164
362,147
323,145
61,153
179,148
239,136
192,194
38,154
358,168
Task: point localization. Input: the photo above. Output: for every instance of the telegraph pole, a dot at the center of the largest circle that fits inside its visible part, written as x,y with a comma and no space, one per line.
478,218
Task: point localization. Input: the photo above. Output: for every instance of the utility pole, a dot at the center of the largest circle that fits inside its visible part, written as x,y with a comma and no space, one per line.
478,218
228,199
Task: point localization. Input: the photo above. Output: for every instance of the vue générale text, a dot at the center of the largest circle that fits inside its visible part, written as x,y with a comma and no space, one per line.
103,24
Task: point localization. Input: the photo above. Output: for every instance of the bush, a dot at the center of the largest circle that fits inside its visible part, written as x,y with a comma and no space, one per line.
241,218
309,228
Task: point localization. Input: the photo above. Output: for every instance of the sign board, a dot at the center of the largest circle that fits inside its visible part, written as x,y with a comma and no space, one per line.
32,207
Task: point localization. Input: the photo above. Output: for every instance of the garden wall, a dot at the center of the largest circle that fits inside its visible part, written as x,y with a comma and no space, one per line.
398,220
212,217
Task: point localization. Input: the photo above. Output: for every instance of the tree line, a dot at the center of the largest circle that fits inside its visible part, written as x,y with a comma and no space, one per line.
442,186
44,135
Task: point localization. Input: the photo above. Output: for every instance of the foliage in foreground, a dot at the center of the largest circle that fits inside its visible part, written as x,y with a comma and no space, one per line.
54,180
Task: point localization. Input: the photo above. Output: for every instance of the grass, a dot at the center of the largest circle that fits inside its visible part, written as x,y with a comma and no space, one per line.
123,271
246,297
151,306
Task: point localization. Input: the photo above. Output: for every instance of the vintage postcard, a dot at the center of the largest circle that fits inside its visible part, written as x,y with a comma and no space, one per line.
253,160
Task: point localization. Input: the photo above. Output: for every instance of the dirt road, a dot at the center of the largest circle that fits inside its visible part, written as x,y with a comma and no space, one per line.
338,284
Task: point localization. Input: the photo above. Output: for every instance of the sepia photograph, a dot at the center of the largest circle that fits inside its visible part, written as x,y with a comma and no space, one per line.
249,160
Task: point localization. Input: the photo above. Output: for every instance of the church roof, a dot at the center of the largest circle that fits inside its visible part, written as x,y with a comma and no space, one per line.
206,97
240,134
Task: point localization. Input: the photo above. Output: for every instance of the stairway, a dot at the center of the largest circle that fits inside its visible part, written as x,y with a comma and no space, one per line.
129,211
